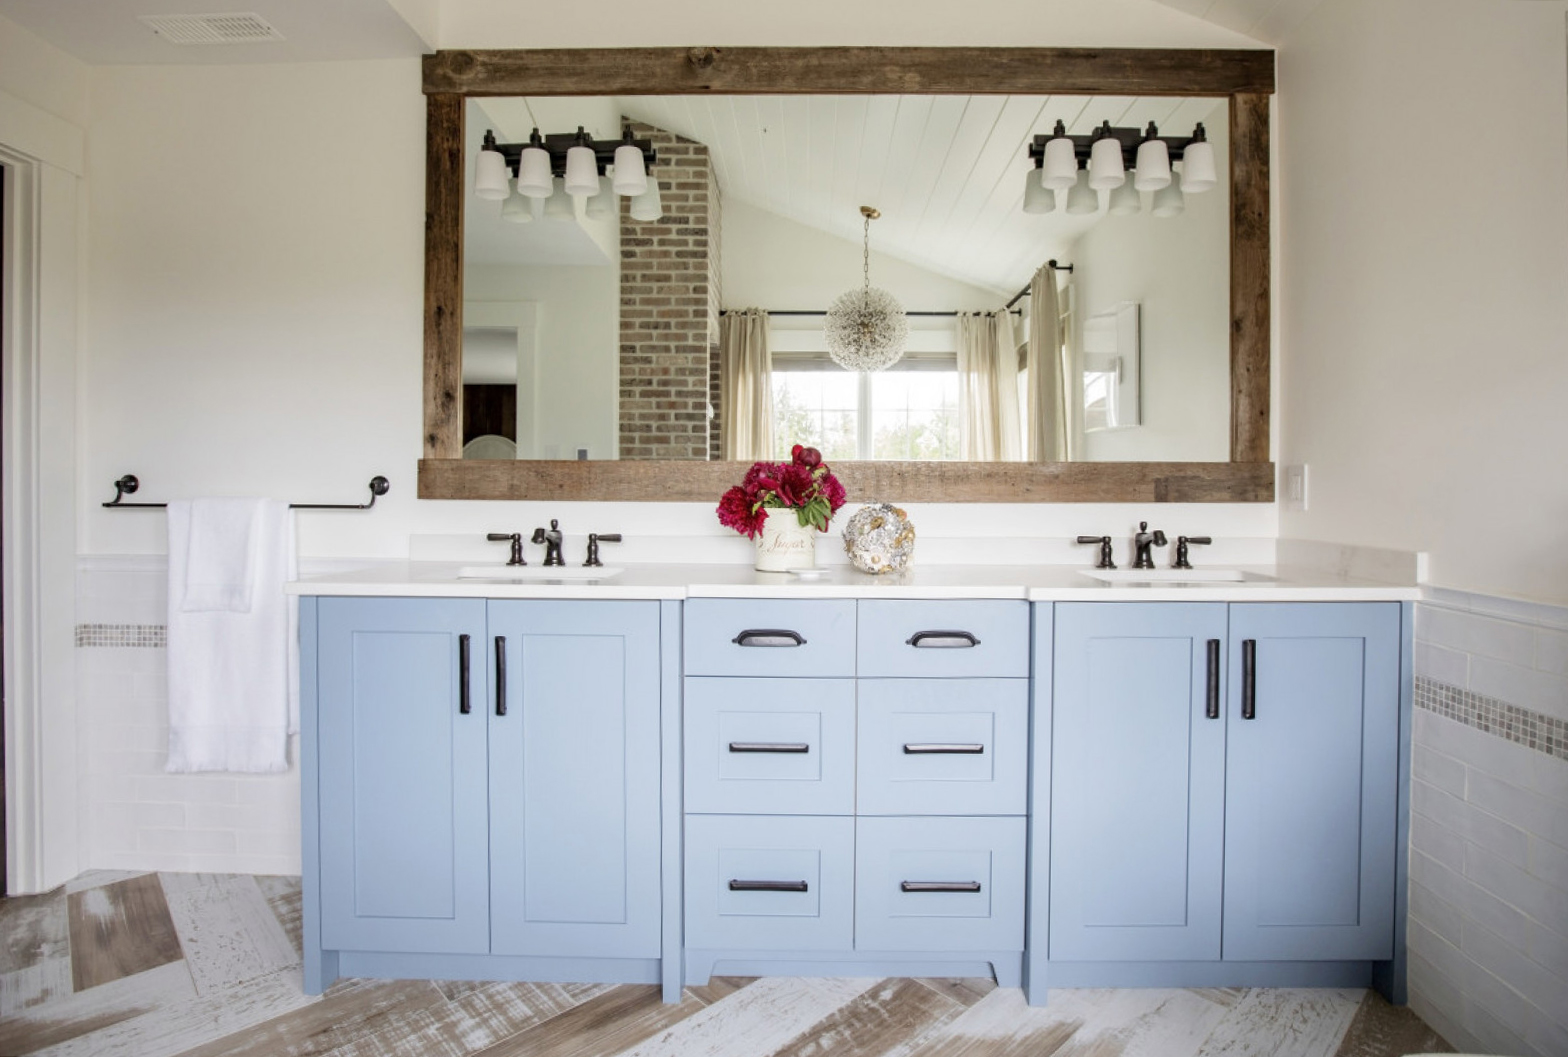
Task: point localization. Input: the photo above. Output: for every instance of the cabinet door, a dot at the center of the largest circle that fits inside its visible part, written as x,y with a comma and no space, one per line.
1310,797
404,863
1137,782
574,779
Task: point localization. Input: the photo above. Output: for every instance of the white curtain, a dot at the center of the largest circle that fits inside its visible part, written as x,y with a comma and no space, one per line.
1048,406
745,386
988,388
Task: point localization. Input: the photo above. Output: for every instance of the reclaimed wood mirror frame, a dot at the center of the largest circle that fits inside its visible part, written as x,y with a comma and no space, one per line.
1245,78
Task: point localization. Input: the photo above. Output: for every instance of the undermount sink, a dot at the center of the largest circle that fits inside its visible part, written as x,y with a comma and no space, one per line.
1170,576
538,573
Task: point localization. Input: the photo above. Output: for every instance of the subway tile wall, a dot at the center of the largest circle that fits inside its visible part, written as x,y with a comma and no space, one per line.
1489,823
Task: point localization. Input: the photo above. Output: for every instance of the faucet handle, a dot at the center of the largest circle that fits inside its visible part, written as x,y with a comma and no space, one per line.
596,538
1104,543
515,539
1181,549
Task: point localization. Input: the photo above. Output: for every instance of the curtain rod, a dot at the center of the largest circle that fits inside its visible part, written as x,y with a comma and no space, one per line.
1020,295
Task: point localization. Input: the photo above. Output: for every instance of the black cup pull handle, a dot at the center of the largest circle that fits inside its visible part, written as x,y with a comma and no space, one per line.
1249,679
1212,706
942,640
463,704
769,637
500,675
767,886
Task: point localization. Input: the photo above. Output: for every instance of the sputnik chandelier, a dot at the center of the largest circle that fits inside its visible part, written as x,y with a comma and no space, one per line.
567,165
1085,165
866,329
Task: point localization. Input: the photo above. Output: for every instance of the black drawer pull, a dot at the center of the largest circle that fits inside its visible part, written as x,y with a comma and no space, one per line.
768,886
769,637
927,640
1249,679
769,746
463,704
1211,706
943,749
939,886
500,675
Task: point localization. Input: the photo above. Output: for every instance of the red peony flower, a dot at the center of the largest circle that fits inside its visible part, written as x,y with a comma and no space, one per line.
804,485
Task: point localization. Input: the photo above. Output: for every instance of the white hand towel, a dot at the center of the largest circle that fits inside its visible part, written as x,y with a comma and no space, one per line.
220,564
233,690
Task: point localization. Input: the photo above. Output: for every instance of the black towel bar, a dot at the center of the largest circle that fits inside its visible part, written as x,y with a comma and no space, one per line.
128,485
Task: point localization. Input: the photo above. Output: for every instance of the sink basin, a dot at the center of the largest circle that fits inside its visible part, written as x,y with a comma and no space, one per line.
1169,576
537,573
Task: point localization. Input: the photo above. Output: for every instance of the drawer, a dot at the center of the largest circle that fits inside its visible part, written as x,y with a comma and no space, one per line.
770,746
775,883
939,884
778,637
943,747
921,638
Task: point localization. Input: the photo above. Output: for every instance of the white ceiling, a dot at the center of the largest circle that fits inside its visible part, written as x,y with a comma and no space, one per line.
106,32
1264,20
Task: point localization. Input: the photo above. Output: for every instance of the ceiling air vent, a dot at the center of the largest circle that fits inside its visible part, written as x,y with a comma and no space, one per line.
243,28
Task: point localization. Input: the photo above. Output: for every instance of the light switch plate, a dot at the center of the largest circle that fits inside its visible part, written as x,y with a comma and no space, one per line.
1296,487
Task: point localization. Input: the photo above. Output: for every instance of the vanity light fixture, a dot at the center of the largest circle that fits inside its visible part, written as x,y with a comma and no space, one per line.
1081,197
576,157
646,207
602,204
1198,172
1168,200
559,205
1154,162
1038,198
1057,158
1110,152
866,329
1125,200
517,209
1106,171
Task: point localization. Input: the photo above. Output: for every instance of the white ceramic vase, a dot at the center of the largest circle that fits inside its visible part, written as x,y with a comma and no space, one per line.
785,543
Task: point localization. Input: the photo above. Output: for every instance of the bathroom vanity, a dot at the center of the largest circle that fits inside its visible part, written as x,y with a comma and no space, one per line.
984,770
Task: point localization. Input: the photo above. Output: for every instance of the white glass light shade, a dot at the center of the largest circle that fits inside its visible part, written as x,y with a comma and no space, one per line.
1154,166
559,205
533,173
1037,197
1168,200
1198,173
646,207
1125,200
602,204
1081,198
582,172
519,209
631,175
1061,167
490,176
1106,171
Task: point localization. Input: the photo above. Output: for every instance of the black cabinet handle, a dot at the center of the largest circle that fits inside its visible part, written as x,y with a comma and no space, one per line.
768,886
500,675
769,746
939,886
769,637
463,704
1212,708
1249,679
942,640
943,749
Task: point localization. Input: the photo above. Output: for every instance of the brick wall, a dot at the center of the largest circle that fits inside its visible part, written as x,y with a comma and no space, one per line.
669,307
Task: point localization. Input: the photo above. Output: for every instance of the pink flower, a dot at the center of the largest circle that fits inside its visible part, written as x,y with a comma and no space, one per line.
804,486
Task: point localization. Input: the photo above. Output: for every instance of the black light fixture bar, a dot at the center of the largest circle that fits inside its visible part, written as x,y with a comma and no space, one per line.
556,144
1129,138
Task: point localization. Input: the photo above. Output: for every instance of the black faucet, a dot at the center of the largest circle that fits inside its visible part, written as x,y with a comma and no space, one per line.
1141,542
596,538
516,539
1181,561
1104,542
551,541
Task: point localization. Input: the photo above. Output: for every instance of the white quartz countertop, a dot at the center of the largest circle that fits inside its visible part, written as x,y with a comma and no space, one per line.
1036,583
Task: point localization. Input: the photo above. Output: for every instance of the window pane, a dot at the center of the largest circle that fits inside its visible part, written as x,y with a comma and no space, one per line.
815,408
914,415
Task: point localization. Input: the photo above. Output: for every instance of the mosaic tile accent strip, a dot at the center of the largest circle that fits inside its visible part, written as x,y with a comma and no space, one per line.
144,636
1534,730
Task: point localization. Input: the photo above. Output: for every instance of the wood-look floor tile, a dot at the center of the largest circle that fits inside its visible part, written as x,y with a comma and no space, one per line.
75,1014
35,985
719,987
472,1021
343,1015
891,1017
32,930
229,933
605,1024
965,990
1284,1022
757,1019
118,930
283,895
99,878
1381,1030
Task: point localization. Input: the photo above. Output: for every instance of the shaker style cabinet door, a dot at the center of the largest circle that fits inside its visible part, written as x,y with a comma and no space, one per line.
1310,806
1137,782
404,861
574,778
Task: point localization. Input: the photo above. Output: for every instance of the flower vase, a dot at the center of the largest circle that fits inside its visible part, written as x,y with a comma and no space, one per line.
785,543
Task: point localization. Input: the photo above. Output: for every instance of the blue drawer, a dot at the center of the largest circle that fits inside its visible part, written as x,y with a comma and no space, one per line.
777,637
939,884
770,746
776,883
941,639
943,747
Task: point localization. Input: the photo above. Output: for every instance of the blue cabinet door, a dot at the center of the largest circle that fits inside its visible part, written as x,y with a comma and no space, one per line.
1312,774
402,795
574,778
1137,783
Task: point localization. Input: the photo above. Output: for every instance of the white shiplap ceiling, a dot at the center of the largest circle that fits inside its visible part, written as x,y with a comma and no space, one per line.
947,172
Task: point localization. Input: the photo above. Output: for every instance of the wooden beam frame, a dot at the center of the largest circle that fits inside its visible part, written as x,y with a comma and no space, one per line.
1246,78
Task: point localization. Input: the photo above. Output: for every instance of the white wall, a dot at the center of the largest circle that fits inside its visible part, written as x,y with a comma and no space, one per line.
38,73
1178,270
1424,151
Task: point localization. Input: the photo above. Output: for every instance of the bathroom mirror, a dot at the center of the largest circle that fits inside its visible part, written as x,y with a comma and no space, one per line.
836,108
